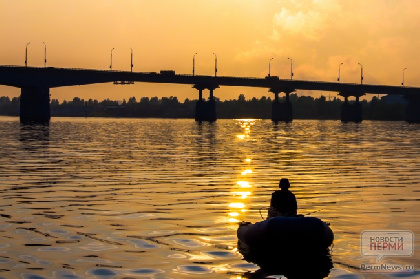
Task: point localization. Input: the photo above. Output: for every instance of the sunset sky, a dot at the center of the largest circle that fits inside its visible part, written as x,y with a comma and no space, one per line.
382,35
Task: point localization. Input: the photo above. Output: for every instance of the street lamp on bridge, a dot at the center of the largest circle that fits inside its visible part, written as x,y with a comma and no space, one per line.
403,77
291,68
194,63
361,73
269,66
111,58
339,72
131,59
45,54
26,55
215,64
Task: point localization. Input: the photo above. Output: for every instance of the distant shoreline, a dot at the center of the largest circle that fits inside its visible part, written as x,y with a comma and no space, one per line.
386,108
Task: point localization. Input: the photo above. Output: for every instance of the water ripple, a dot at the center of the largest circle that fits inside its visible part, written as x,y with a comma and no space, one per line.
104,198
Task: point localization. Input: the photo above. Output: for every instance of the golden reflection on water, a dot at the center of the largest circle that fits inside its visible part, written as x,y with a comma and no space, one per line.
242,191
78,189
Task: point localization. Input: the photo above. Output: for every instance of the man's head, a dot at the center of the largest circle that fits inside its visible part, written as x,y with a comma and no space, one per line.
284,184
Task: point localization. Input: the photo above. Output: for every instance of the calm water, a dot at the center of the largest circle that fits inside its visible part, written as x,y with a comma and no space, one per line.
135,198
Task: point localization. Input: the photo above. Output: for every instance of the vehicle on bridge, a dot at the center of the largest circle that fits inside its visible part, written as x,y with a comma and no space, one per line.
272,77
167,72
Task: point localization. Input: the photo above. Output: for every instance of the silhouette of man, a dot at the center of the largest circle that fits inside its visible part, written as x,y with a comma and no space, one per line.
283,202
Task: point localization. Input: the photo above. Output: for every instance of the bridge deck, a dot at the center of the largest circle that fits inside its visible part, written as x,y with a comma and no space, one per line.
57,77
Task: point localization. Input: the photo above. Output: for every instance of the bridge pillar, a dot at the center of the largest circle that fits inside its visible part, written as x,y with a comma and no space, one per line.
35,104
200,94
351,112
211,110
205,110
413,109
281,111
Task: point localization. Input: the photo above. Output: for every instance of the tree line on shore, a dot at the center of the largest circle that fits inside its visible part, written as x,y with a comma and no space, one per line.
304,107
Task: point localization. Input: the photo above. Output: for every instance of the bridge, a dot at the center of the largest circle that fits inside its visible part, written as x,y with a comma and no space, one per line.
35,84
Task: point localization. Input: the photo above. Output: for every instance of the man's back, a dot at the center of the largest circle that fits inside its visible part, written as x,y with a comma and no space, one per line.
284,202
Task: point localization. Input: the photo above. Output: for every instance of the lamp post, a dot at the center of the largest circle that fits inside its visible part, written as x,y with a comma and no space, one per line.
45,54
111,59
215,64
131,59
194,63
361,73
269,67
291,68
403,77
26,55
339,72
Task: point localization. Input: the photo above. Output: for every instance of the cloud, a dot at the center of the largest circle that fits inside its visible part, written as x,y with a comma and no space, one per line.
320,34
308,20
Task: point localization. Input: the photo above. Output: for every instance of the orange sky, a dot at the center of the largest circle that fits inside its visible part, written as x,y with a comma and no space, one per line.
164,34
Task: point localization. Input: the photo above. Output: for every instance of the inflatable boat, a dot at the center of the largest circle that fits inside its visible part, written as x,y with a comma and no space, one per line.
282,245
285,234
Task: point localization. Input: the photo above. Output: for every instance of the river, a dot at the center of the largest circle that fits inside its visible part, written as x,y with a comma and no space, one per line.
162,198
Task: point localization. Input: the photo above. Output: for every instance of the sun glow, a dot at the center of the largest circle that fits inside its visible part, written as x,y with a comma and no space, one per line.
239,194
244,184
237,205
245,172
243,195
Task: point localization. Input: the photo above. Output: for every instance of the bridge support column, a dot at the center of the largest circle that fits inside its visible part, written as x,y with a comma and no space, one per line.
413,109
35,104
351,112
205,110
281,111
200,94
